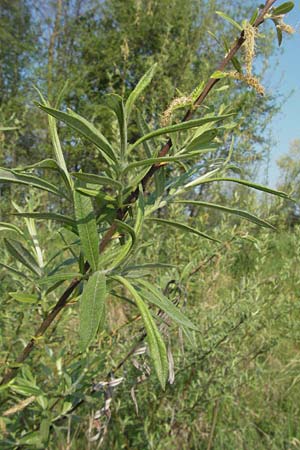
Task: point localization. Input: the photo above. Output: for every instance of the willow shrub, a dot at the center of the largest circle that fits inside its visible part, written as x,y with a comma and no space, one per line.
103,220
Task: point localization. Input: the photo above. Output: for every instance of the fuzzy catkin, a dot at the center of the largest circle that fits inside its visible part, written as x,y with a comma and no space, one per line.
249,79
249,47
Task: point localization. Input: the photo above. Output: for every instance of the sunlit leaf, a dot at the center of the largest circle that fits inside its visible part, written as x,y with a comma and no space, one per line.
155,296
97,179
85,129
87,228
47,216
24,298
182,227
10,227
168,159
115,103
230,20
284,8
18,251
256,186
179,127
157,346
92,307
11,176
238,212
140,87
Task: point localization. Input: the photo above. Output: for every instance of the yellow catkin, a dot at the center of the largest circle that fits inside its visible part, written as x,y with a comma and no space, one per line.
285,27
249,46
178,102
249,79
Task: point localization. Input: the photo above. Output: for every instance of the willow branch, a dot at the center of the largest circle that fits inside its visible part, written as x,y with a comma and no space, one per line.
65,297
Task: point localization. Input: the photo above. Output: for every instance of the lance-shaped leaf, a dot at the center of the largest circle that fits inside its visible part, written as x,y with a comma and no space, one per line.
92,308
97,179
11,176
47,216
62,276
24,298
142,84
157,346
87,228
59,156
203,138
85,129
247,183
30,223
238,212
13,270
8,128
179,127
168,159
127,248
229,19
182,227
10,227
284,8
48,163
124,226
18,251
155,296
115,103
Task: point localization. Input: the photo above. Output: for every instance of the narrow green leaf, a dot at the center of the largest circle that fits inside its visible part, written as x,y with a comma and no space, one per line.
92,307
65,276
157,346
202,139
15,271
230,20
88,192
259,187
155,296
30,223
24,298
97,179
182,227
121,255
125,227
167,159
18,251
140,87
44,164
59,156
284,8
10,227
149,266
115,103
238,212
87,228
179,127
218,74
278,32
140,207
47,216
254,17
11,176
85,129
8,128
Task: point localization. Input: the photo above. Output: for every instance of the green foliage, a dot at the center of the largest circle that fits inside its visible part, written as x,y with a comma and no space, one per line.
100,256
92,308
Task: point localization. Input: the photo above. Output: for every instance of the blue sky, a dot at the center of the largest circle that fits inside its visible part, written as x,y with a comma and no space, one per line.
284,77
